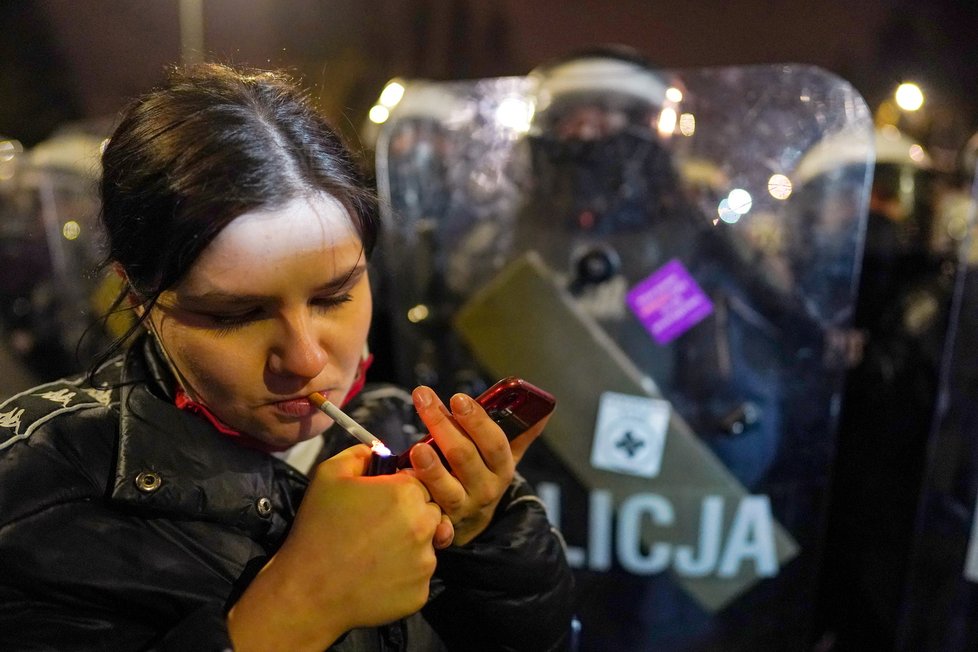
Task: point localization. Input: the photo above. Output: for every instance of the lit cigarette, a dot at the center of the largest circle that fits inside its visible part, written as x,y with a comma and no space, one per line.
348,424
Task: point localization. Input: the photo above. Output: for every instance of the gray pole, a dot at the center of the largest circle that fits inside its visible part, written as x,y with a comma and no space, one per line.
191,31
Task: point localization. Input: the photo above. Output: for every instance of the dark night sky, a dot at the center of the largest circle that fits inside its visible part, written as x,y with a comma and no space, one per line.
80,59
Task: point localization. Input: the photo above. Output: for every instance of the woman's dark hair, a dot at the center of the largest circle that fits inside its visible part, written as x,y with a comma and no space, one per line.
210,144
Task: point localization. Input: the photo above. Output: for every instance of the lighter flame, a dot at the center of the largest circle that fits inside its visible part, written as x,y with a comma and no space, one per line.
378,448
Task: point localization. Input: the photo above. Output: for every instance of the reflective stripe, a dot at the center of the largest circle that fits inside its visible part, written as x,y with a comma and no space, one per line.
23,413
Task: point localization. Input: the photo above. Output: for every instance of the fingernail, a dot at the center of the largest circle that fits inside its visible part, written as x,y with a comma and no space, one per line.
423,457
422,397
461,404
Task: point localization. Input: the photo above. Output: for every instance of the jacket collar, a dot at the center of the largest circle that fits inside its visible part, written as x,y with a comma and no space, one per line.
174,462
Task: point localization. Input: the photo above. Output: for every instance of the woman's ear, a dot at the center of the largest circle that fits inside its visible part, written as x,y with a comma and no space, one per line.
134,301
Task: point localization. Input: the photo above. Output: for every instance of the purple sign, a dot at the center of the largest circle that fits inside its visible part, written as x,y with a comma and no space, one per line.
669,302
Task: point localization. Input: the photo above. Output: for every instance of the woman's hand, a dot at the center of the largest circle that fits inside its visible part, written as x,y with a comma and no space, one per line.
482,460
360,553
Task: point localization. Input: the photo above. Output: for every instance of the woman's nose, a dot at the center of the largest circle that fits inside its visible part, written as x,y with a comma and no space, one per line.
298,351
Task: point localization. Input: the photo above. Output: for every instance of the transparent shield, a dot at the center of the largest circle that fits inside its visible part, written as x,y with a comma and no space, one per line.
674,258
50,248
942,581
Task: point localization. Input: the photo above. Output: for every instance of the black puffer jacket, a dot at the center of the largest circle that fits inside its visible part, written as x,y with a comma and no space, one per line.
128,524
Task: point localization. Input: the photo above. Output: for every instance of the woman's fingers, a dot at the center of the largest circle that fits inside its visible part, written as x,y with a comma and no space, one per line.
349,463
493,447
518,445
444,533
381,533
467,437
481,464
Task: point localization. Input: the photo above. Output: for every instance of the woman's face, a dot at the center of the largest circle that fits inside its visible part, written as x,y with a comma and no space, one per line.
276,307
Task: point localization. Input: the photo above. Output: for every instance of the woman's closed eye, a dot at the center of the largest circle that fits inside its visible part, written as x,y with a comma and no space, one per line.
331,301
226,322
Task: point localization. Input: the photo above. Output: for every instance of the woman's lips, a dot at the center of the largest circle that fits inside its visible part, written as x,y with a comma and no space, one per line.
296,407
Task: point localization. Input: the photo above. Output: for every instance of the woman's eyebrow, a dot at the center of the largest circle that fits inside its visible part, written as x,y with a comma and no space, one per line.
338,283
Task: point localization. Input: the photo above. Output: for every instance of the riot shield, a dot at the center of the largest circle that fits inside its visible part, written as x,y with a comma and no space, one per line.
942,584
673,255
49,249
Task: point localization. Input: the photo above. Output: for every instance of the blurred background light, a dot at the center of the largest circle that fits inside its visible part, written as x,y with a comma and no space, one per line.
779,186
739,201
379,114
667,121
727,214
392,94
673,94
909,97
418,313
71,230
514,113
